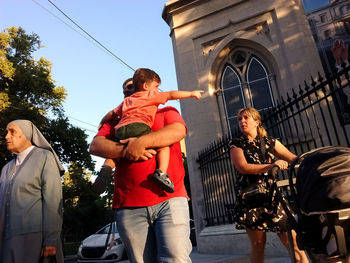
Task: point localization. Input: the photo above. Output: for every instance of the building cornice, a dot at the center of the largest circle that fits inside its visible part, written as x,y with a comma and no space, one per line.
178,6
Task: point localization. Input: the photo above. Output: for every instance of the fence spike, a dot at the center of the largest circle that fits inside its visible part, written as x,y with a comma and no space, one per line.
338,79
307,87
279,104
301,92
283,102
313,82
320,78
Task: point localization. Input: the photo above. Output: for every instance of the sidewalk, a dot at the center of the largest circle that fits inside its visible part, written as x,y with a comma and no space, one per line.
197,257
213,258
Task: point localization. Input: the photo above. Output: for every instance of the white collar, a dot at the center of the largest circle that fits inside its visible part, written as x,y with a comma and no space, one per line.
22,155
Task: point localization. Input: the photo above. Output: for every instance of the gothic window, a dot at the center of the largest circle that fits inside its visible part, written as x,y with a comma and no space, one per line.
259,85
232,95
244,83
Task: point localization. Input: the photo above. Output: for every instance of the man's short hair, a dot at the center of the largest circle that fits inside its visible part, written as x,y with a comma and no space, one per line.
144,75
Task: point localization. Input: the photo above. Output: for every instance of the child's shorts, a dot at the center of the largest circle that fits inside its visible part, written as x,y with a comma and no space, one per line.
132,130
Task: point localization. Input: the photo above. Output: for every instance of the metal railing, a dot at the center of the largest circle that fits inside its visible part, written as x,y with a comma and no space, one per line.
312,116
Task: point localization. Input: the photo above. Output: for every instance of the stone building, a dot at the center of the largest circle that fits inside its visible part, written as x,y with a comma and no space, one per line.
242,53
328,24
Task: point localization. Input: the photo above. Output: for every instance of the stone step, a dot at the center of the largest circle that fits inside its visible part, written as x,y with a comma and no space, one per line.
197,257
240,259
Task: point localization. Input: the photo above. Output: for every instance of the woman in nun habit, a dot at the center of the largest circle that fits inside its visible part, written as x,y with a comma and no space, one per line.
30,198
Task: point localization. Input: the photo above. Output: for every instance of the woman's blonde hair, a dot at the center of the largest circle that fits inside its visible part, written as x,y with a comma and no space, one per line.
252,112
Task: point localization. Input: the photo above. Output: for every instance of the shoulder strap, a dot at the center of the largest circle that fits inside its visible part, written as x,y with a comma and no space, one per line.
262,148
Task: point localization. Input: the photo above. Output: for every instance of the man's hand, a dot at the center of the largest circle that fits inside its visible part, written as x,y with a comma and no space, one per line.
136,151
48,251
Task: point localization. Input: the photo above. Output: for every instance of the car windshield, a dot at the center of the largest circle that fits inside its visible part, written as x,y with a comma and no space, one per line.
105,230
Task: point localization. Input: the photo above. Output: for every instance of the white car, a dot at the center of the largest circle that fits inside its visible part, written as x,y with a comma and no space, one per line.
93,248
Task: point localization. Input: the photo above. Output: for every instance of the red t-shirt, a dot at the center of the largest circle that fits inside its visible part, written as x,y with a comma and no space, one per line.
132,183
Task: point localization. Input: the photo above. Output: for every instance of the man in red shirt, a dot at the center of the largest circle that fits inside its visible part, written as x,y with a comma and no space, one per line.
153,224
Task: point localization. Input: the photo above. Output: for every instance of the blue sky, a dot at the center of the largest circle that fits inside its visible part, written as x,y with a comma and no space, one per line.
132,29
310,5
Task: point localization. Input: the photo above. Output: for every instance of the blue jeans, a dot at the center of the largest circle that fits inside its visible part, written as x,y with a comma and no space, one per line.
159,233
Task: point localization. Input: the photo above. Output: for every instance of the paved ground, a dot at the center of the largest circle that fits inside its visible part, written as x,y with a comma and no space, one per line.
204,258
209,258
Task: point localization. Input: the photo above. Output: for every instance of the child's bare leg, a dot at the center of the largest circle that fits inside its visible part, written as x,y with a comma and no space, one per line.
160,177
163,157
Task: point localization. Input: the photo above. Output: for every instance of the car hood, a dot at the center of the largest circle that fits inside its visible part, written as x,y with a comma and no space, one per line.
97,240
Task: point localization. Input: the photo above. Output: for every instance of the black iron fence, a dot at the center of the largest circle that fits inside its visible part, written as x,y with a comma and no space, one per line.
312,116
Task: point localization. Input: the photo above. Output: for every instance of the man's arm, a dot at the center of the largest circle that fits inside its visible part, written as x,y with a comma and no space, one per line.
164,137
105,148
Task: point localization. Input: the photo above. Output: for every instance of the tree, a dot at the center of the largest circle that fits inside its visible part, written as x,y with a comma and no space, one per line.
27,91
84,210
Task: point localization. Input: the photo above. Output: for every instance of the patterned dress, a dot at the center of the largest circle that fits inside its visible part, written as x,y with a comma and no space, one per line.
267,217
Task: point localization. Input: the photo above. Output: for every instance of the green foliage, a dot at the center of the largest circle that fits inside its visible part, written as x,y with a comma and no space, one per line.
6,67
31,84
27,91
84,211
69,142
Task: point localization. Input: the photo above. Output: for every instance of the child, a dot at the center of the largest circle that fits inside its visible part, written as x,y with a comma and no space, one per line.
137,114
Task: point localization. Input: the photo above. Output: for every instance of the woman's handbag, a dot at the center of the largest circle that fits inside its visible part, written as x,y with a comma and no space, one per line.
255,191
259,189
259,193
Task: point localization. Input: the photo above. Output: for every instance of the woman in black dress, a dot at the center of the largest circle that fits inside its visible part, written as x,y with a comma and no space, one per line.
254,155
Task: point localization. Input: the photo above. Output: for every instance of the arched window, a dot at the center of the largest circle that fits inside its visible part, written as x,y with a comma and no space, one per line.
259,85
244,83
232,94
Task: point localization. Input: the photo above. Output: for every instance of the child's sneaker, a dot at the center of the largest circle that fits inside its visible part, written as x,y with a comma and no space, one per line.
163,181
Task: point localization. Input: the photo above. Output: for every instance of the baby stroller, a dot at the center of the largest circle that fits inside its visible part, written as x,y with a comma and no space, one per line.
321,202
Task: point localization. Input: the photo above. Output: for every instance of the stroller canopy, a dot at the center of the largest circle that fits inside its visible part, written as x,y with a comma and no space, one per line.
323,180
